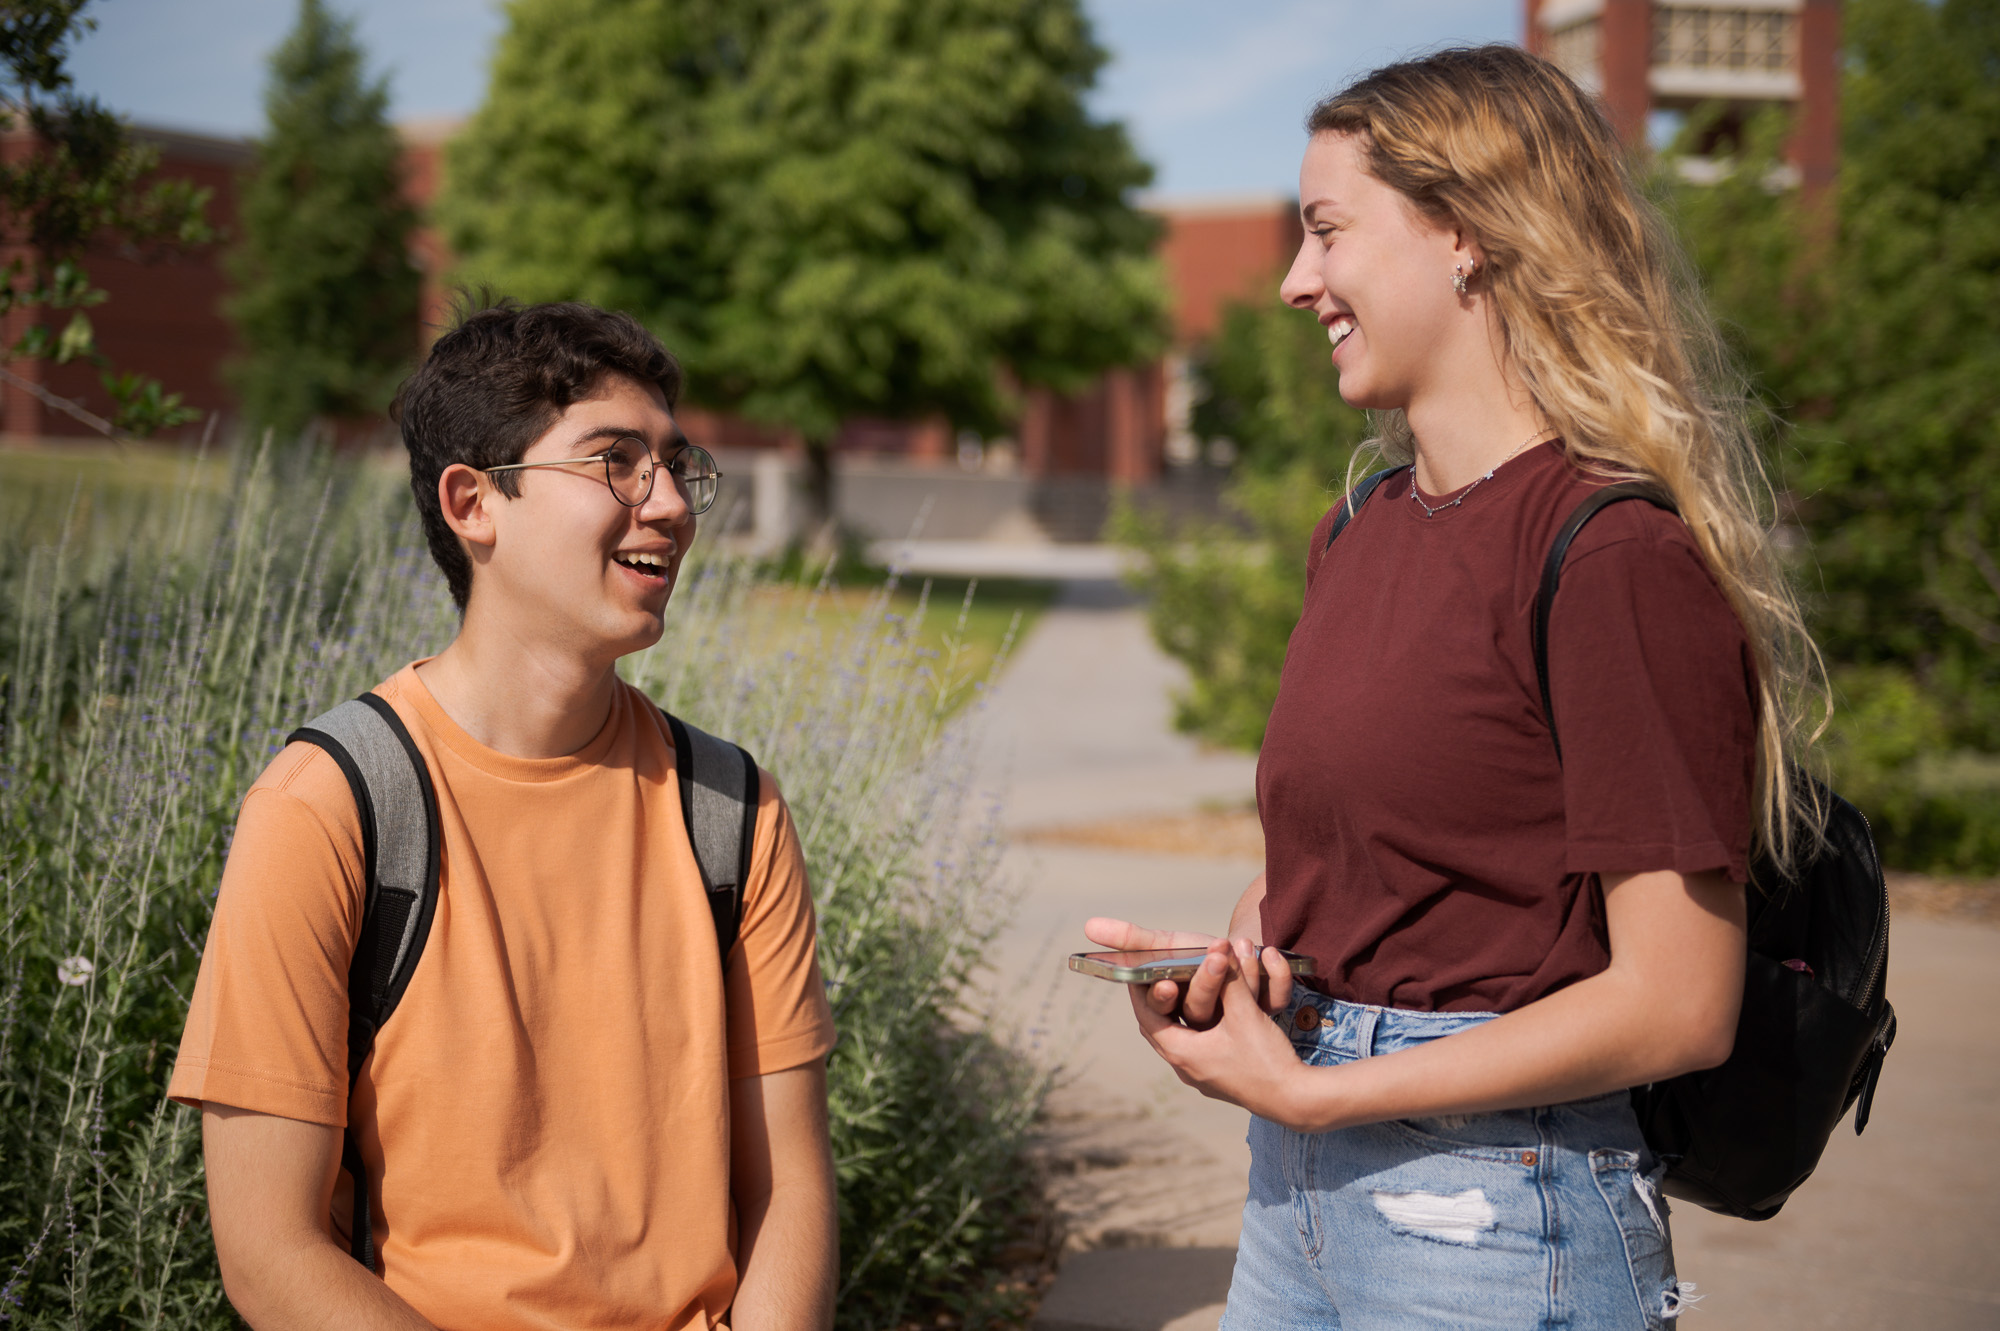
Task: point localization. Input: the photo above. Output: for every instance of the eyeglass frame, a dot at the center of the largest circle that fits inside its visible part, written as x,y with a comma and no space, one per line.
682,446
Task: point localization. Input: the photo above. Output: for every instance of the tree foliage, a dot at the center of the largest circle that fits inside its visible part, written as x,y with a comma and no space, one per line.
83,181
1871,321
327,294
848,207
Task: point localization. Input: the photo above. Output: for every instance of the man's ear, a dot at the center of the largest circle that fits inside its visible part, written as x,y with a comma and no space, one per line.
467,498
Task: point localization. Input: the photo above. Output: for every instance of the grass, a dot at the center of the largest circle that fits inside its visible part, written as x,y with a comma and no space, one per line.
995,610
165,623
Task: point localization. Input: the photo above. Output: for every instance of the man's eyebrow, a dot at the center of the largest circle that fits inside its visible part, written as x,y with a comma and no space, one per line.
614,432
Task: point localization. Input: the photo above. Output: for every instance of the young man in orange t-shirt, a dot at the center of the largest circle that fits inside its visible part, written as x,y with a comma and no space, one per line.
578,1115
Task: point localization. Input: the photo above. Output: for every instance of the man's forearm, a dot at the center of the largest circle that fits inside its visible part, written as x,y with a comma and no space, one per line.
268,1180
313,1286
788,1259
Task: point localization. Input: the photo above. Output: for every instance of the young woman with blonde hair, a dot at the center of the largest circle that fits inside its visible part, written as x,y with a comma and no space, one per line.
1508,936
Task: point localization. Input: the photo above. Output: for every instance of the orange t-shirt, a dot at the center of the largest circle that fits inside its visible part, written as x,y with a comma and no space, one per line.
545,1117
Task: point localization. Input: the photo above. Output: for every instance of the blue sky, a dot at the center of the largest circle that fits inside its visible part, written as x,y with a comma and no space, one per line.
1212,92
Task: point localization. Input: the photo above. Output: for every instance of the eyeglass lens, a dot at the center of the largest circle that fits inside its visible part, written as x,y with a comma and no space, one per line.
628,470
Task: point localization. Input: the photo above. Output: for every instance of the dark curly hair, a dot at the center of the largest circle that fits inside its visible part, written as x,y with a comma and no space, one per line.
496,382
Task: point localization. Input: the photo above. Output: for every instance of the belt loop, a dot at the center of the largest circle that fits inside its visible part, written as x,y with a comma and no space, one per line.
1364,1032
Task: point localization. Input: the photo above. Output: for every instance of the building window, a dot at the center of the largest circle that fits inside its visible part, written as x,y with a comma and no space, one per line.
1747,40
1573,48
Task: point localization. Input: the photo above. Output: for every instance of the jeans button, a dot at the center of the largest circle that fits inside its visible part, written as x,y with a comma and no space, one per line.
1307,1019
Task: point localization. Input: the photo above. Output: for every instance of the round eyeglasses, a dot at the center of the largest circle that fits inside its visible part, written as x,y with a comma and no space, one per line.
628,472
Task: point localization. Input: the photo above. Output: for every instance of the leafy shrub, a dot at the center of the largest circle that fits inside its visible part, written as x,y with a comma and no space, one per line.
1932,807
1266,383
930,1113
154,660
1222,598
1224,605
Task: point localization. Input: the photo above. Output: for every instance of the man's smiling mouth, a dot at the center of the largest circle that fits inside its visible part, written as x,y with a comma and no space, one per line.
645,563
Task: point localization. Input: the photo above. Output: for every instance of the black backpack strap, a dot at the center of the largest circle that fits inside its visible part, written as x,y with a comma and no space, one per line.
1348,507
1552,574
719,793
399,837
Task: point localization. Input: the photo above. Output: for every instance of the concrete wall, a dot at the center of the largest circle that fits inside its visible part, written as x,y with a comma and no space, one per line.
761,502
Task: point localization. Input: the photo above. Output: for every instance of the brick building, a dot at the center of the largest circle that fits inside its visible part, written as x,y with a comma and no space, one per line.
164,318
1645,56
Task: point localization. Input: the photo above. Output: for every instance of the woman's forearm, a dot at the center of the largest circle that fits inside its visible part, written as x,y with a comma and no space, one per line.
1666,1005
1599,1035
1247,920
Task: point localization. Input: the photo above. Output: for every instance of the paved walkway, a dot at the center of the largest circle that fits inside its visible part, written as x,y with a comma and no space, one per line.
1899,1229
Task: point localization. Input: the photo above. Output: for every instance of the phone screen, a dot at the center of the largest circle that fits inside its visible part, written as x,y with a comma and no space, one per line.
1167,963
1165,958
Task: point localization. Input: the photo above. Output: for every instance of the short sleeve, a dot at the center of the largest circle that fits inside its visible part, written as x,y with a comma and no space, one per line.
267,1028
1652,682
778,1012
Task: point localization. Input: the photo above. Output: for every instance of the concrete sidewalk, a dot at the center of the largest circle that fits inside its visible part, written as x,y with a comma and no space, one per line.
1898,1229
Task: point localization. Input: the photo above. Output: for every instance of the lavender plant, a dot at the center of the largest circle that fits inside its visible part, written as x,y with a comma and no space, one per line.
873,736
151,661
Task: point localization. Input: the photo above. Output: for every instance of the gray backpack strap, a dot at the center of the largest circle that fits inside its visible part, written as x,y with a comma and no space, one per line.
399,837
719,793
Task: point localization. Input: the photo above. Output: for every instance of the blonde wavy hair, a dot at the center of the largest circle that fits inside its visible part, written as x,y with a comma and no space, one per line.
1600,316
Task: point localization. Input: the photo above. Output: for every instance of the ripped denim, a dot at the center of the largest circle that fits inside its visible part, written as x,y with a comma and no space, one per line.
1527,1218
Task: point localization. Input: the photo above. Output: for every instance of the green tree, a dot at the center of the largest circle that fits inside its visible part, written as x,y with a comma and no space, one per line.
1871,320
829,209
1869,317
82,181
327,293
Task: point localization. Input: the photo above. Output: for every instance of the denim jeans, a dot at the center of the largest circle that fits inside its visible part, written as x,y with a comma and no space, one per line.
1522,1219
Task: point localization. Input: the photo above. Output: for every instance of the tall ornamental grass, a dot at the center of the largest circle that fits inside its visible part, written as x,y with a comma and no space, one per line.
156,646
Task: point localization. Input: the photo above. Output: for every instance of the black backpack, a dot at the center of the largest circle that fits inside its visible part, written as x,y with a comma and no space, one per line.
1815,1024
399,838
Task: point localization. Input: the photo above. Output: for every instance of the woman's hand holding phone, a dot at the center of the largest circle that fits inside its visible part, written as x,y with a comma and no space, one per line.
1198,1002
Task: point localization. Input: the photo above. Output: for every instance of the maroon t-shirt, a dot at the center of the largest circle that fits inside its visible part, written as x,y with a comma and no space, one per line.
1422,841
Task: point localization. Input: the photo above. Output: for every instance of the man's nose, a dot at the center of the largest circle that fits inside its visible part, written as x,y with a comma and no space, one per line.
666,503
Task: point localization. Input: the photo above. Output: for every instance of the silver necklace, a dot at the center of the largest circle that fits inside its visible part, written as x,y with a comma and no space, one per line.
1430,512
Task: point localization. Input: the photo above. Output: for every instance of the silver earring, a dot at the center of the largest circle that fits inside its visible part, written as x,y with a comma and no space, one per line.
1458,277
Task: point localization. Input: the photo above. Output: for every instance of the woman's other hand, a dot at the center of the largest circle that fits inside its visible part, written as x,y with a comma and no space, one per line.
1242,1056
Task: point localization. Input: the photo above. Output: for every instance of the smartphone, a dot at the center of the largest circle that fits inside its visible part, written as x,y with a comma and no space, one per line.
1170,963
